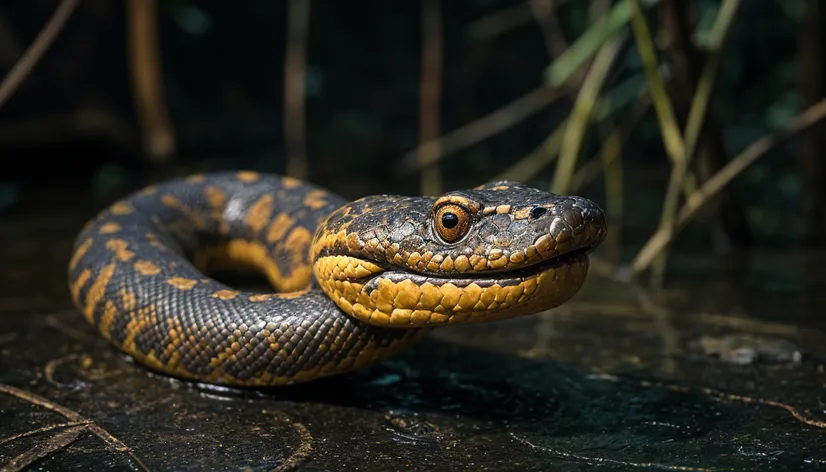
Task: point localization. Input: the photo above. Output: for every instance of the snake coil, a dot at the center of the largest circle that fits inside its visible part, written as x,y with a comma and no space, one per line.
353,282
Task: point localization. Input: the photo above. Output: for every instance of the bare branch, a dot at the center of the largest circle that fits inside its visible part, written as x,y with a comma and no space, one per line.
295,71
36,50
147,80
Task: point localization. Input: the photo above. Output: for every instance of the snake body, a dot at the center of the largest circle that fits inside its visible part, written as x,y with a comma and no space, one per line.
354,282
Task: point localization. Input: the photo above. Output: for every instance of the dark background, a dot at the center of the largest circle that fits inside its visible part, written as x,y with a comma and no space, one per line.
71,131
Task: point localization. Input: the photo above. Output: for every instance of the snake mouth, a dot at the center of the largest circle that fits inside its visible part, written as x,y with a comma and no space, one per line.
394,297
485,279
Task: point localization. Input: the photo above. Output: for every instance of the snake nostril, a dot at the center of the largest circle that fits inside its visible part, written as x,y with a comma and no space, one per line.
537,212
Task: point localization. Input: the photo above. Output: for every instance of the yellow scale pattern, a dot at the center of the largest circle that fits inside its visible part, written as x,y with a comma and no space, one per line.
407,304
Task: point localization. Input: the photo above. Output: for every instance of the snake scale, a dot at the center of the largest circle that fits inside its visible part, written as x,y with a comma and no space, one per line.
353,281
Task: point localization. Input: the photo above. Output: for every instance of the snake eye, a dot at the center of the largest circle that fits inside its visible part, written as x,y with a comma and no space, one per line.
452,222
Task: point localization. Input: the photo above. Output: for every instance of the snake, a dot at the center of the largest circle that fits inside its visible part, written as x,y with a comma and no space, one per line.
352,282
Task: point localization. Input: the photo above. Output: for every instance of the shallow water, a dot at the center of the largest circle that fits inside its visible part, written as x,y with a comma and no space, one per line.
725,372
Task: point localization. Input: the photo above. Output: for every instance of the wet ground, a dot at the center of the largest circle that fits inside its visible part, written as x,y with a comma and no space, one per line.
724,373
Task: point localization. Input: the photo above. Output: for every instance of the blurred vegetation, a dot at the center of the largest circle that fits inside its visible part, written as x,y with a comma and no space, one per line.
670,113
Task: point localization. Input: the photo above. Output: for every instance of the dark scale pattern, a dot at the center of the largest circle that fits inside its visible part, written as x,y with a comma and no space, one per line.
135,273
508,218
229,341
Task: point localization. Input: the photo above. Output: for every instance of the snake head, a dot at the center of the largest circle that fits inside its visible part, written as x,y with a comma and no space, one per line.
496,251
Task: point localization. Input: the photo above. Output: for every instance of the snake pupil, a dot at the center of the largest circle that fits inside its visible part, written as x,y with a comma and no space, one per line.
450,220
538,212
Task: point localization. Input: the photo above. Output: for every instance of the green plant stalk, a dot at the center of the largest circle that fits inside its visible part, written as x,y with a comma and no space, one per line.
614,194
667,218
589,42
532,164
581,114
711,187
672,138
694,126
705,85
669,130
630,121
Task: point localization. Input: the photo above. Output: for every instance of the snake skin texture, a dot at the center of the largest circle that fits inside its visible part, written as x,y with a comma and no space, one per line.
353,282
